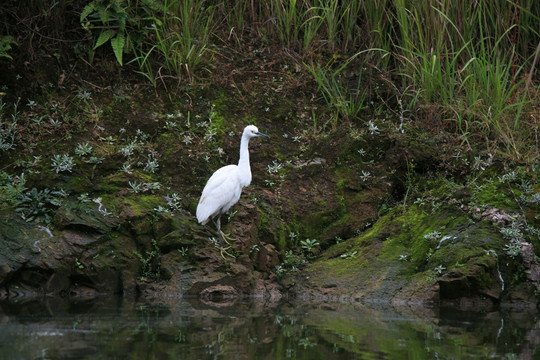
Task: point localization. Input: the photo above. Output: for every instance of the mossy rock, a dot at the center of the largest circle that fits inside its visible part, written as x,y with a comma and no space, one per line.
84,217
392,261
176,231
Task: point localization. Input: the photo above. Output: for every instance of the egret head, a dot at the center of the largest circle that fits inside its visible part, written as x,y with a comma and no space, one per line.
252,131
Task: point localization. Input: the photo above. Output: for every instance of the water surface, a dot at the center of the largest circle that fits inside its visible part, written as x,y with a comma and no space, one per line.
114,328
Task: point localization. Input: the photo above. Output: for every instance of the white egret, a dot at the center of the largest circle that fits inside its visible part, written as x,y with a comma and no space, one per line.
224,187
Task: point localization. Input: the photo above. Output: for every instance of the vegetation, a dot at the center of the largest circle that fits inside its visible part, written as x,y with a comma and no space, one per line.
150,261
458,77
37,205
472,64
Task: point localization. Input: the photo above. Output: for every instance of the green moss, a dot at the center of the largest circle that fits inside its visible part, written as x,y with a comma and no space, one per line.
343,176
394,254
283,236
112,182
136,205
495,194
317,224
270,222
167,144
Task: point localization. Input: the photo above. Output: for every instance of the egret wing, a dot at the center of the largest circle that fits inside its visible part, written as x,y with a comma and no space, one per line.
220,190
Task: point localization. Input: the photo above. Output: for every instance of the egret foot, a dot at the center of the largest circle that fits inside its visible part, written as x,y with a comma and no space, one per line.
226,237
223,251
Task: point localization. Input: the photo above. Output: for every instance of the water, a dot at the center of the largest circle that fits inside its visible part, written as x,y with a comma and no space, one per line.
114,328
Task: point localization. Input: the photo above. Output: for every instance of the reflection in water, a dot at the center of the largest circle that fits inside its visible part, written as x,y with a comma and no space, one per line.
188,329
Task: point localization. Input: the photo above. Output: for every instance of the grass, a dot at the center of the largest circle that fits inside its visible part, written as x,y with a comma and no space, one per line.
308,25
346,99
179,45
466,60
287,20
468,65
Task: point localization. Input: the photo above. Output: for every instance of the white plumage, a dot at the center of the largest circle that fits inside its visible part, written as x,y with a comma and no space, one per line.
220,193
224,187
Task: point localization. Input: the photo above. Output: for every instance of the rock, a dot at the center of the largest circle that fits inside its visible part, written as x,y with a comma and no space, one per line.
268,290
396,264
497,216
267,258
522,295
217,293
534,273
86,219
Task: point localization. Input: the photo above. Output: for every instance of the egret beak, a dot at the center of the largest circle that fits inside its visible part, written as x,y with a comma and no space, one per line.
261,134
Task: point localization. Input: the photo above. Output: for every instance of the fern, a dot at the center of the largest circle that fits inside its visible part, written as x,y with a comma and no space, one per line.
5,46
118,44
103,38
113,21
88,9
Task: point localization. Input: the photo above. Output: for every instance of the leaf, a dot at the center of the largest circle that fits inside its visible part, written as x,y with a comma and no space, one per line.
103,38
117,44
5,46
86,11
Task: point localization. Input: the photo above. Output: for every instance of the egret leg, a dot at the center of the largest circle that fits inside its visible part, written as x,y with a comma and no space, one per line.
217,223
222,236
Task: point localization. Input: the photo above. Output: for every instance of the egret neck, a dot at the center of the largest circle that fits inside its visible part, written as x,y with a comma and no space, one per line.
244,169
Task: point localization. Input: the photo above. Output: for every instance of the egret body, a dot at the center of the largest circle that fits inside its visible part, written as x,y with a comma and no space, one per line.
224,187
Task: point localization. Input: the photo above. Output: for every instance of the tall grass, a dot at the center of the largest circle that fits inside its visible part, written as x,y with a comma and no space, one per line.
180,42
317,24
466,60
351,12
345,97
287,19
378,28
236,20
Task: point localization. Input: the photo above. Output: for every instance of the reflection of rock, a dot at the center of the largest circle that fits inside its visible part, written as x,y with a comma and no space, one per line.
245,329
190,327
219,295
267,290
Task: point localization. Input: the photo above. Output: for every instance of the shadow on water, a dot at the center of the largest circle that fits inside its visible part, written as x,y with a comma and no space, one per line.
110,328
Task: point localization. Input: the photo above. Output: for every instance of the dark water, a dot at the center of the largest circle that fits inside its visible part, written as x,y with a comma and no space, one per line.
113,328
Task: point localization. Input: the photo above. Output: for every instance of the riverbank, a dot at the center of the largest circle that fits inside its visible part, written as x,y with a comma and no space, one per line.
369,188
